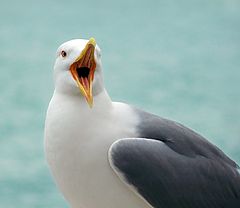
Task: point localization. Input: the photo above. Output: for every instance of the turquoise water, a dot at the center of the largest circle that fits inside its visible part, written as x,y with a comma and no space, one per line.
178,59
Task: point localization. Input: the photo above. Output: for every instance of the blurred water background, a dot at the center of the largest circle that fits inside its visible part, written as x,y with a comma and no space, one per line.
178,59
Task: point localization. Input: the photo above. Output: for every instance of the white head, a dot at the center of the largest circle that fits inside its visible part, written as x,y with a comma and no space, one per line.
78,66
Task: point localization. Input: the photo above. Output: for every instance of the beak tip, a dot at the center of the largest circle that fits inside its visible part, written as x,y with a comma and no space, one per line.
90,103
92,41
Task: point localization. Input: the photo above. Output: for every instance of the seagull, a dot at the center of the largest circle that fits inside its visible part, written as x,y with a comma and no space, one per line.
105,154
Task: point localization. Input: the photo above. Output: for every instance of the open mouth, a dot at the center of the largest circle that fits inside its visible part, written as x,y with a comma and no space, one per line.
83,70
83,76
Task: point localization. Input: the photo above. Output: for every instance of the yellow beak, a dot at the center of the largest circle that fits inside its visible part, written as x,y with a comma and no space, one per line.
83,69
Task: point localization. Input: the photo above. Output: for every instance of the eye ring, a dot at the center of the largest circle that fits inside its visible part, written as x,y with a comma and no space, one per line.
63,54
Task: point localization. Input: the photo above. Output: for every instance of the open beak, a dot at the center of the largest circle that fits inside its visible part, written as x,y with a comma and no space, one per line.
83,69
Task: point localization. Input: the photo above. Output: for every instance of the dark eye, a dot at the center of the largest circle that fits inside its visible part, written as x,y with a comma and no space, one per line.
63,53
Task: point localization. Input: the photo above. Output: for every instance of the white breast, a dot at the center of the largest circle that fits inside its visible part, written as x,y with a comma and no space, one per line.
77,140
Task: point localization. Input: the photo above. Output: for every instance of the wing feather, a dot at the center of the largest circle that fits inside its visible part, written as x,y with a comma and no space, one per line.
166,178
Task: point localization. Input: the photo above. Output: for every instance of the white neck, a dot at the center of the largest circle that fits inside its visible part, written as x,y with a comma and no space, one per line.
101,101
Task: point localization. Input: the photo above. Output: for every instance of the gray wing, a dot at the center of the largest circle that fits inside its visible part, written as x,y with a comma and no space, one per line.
171,166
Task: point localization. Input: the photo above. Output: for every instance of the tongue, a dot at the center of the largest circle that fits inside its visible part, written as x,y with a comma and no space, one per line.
85,83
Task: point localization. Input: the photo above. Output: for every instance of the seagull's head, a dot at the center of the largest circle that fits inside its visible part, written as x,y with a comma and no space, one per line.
78,69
